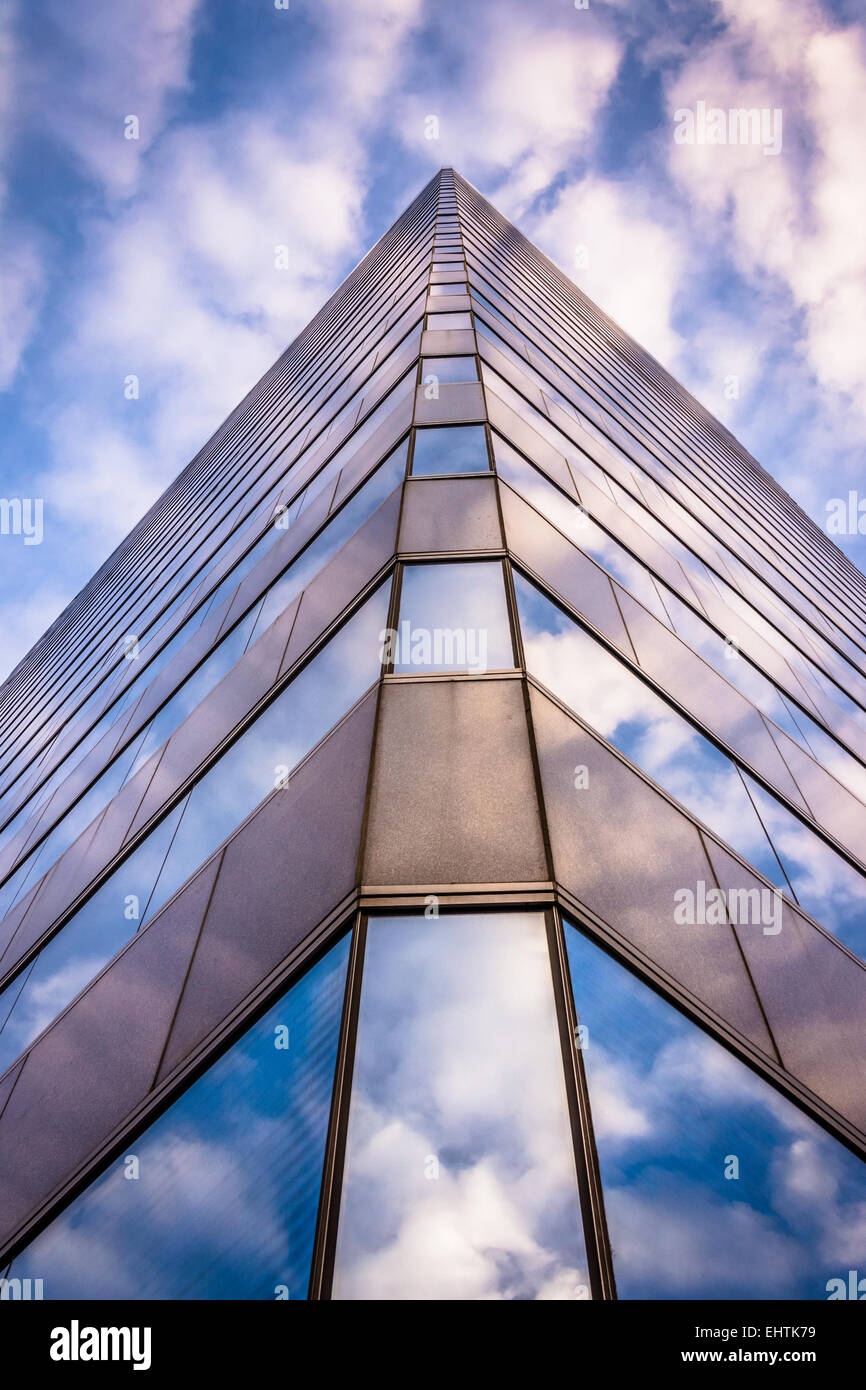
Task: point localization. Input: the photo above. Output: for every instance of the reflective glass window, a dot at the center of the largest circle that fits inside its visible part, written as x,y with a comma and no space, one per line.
223,657
459,1179
449,321
453,617
448,370
458,287
339,530
225,1194
450,449
715,1185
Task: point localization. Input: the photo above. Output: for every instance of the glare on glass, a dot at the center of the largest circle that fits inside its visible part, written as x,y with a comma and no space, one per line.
450,449
459,1180
453,322
448,370
453,617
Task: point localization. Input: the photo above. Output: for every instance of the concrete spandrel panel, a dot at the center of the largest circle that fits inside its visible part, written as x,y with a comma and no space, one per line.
626,853
453,797
98,1061
812,991
284,871
448,514
453,404
7,1082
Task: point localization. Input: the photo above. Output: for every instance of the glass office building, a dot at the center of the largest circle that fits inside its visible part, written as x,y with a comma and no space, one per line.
433,850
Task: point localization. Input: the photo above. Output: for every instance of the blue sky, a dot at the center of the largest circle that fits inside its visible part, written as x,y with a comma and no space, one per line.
305,127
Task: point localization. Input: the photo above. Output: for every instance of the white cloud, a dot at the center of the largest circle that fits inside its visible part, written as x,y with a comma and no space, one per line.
128,60
634,263
500,1217
524,103
21,287
788,216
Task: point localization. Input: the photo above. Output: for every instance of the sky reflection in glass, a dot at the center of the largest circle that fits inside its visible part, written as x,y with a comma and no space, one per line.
631,716
453,617
224,1204
671,1109
450,449
459,1179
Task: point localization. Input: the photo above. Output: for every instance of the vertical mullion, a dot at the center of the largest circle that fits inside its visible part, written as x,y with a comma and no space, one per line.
597,1240
324,1247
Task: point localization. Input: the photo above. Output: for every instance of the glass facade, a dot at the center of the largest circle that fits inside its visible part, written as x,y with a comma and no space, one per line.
715,1187
456,1185
218,1199
432,846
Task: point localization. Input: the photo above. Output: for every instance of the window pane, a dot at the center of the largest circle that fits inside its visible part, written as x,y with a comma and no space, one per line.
450,289
449,321
448,370
453,618
715,1185
459,1180
224,1204
451,449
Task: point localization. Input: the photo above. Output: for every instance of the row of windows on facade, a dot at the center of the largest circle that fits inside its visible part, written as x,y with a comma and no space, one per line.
185,592
145,665
485,243
671,527
466,452
607,386
478,641
460,1174
768,597
452,616
466,367
456,369
373,352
